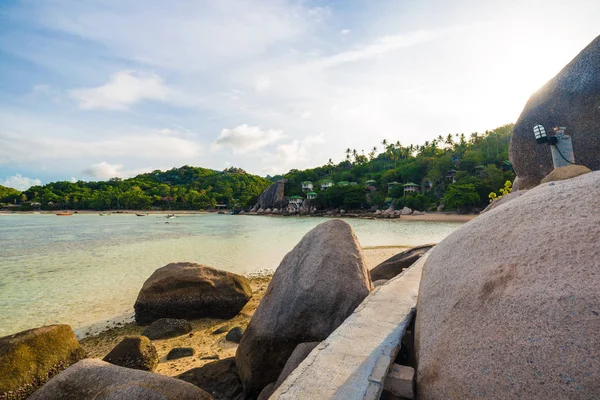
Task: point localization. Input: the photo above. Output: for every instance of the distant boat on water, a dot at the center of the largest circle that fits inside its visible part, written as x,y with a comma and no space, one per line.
169,216
141,214
63,213
104,214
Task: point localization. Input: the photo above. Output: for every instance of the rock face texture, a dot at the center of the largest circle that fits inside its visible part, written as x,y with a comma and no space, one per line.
570,99
135,352
509,304
166,328
191,291
394,265
315,288
30,358
218,378
568,172
95,379
272,197
504,199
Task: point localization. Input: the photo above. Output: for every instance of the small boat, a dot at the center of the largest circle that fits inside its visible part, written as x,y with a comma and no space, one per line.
141,214
64,214
104,214
169,216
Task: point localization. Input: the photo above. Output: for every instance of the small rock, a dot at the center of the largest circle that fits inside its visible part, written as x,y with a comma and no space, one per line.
221,329
235,335
180,352
135,352
165,328
212,357
219,378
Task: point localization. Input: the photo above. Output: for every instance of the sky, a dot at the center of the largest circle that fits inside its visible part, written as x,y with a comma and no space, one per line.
96,89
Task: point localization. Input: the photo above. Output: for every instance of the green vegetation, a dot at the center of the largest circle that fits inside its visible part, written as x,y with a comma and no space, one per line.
454,170
457,171
185,188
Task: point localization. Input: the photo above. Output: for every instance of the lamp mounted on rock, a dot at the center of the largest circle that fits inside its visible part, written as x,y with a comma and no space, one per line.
562,145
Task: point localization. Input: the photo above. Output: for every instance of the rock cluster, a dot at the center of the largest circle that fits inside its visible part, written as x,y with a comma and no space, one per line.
191,291
315,288
509,304
570,99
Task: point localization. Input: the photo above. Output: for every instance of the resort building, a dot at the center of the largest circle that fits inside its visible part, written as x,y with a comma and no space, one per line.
450,175
296,200
391,185
411,187
370,182
343,183
327,183
307,186
311,195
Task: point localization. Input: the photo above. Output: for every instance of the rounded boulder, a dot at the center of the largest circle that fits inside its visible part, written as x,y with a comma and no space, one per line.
509,304
135,352
191,291
315,288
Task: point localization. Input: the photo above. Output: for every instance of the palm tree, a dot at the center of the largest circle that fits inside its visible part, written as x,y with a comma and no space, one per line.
355,155
449,141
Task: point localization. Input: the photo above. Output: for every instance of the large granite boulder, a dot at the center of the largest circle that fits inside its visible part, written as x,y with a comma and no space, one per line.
219,378
570,99
509,304
135,352
191,291
30,358
273,197
166,328
393,266
98,380
315,288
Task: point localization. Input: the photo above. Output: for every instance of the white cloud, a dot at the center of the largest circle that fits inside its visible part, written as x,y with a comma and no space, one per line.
105,170
20,182
244,138
124,89
345,32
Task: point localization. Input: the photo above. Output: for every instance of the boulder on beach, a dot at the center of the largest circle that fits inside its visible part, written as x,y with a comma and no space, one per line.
393,266
191,291
219,378
406,211
570,99
30,358
273,196
95,379
509,305
135,352
235,335
315,288
166,328
180,352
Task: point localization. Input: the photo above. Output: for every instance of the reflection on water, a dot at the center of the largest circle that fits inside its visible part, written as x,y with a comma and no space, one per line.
86,268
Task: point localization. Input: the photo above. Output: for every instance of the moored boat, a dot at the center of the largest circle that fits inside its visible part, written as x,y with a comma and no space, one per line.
63,213
141,214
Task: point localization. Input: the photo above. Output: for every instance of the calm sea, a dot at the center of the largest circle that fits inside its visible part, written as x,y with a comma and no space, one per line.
84,269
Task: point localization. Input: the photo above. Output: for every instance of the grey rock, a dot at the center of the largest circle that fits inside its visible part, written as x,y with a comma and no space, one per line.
166,328
221,329
393,266
570,99
191,291
235,335
135,352
406,211
180,352
315,288
219,378
30,358
273,196
98,380
508,305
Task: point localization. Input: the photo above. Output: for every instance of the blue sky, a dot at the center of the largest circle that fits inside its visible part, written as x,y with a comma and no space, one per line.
95,89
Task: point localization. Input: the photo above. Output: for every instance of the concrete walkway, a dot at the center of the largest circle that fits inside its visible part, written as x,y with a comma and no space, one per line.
353,361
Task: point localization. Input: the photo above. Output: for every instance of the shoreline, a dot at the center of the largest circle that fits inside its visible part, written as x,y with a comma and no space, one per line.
206,344
433,217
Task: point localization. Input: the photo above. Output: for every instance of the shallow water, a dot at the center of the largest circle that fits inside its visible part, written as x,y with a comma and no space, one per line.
87,268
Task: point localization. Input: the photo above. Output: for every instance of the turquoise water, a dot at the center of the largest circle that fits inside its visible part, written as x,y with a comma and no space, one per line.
84,269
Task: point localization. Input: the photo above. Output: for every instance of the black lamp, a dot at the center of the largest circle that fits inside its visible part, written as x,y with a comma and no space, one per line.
540,134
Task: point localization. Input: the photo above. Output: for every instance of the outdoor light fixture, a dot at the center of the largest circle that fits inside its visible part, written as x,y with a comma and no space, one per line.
561,145
540,134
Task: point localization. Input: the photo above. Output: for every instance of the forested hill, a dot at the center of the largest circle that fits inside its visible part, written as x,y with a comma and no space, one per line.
185,188
458,171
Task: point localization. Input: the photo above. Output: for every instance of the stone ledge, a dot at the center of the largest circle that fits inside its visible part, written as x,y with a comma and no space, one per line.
353,361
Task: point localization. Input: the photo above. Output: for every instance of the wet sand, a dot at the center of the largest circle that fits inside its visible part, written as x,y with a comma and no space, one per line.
202,338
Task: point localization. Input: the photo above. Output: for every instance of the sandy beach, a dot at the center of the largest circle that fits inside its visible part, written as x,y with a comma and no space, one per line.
206,344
